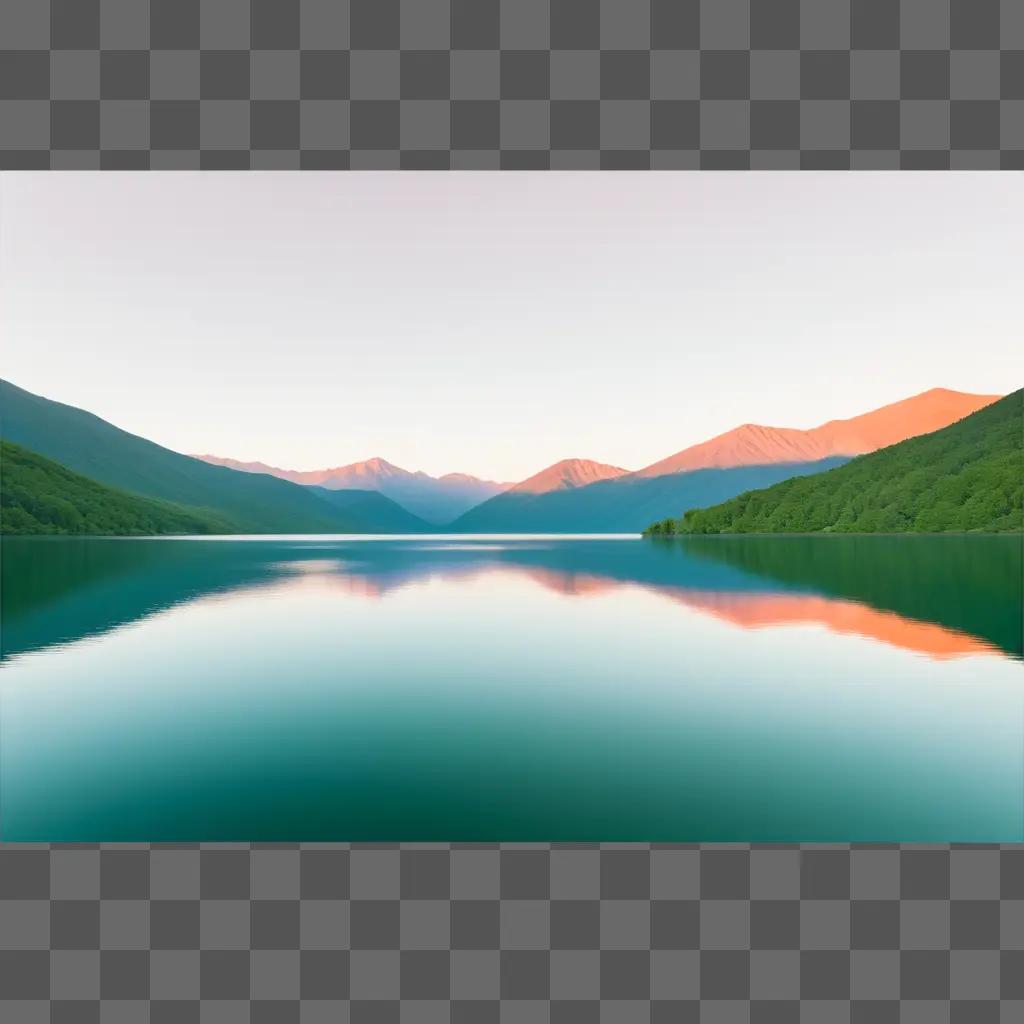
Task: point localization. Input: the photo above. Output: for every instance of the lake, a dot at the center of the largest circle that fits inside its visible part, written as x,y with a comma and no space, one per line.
471,688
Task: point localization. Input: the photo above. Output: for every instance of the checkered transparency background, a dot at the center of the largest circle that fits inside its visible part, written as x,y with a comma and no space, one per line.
512,83
478,934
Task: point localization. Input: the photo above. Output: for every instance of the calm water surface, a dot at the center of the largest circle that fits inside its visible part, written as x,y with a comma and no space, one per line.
512,688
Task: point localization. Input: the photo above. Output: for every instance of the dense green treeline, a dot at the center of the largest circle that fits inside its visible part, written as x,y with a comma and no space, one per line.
966,477
38,496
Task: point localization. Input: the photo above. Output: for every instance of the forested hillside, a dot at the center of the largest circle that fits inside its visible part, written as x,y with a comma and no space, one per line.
968,476
38,495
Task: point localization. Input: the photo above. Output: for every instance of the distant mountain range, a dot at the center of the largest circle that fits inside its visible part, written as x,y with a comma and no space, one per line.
573,495
437,500
739,460
966,476
625,504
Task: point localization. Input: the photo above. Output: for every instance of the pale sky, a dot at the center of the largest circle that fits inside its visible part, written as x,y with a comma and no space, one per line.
493,323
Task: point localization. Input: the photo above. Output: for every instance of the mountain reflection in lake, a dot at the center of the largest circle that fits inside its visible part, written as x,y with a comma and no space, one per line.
517,688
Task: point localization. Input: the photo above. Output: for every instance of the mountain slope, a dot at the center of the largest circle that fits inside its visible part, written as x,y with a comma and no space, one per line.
623,505
436,499
967,476
565,475
89,445
751,444
374,509
38,495
292,475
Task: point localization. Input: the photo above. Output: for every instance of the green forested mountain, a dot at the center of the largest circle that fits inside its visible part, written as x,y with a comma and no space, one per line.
41,496
245,502
967,476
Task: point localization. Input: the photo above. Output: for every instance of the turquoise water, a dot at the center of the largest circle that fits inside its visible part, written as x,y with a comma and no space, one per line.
502,688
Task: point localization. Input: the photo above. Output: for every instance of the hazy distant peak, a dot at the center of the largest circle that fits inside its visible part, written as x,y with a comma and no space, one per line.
567,474
245,467
376,467
437,500
380,465
468,478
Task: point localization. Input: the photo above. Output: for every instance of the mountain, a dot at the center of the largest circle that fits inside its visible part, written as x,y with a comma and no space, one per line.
435,499
748,457
566,475
373,508
966,476
256,467
38,495
86,444
754,445
625,504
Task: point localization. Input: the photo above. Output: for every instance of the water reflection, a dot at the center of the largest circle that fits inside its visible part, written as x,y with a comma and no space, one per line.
741,609
752,611
502,689
941,597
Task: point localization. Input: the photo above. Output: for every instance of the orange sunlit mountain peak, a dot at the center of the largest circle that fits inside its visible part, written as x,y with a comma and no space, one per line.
921,414
566,475
752,444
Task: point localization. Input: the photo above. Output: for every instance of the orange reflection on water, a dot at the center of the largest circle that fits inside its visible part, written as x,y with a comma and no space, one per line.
761,611
746,609
765,611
